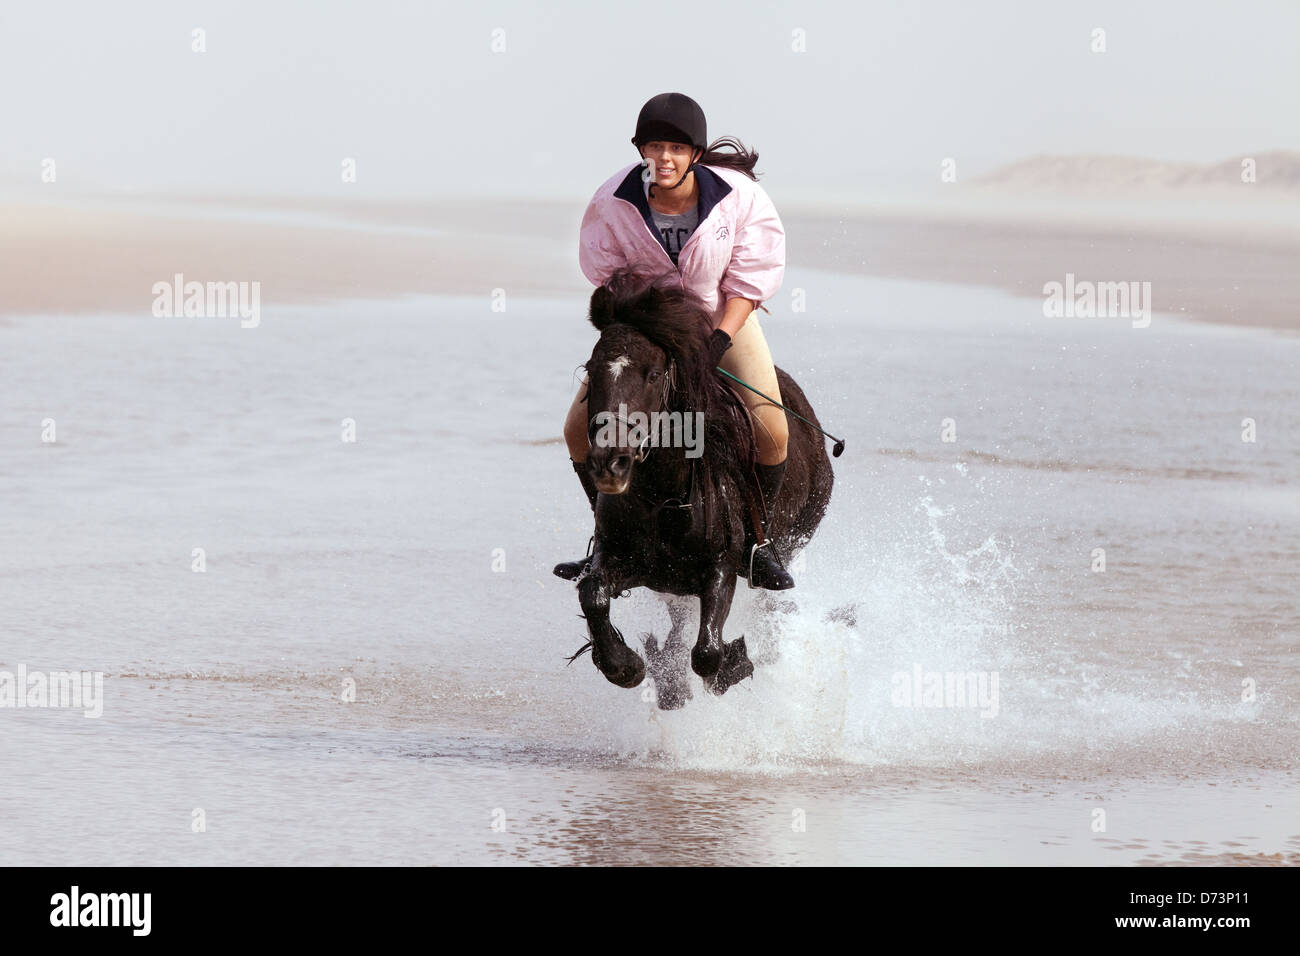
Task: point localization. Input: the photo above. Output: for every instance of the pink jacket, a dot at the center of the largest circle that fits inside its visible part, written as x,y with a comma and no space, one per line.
738,248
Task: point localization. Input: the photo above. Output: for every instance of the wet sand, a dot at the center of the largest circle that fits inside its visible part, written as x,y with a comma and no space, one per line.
106,254
57,258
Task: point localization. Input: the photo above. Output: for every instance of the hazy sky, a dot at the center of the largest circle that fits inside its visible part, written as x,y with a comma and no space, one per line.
415,93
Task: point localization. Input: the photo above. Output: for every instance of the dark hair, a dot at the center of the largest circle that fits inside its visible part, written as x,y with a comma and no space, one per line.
738,157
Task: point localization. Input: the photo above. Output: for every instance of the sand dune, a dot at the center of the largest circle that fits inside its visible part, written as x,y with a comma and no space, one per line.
1274,171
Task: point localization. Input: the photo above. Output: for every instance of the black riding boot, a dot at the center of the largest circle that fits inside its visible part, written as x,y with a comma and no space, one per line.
571,569
768,571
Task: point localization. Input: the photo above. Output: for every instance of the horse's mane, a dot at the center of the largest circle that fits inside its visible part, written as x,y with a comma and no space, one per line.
677,322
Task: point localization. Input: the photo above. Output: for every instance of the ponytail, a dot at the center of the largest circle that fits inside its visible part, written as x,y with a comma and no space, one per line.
737,157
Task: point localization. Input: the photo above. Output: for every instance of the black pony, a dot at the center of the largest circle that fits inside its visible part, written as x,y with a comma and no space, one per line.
673,505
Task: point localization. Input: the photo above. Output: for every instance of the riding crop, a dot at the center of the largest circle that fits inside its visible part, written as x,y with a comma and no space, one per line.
837,449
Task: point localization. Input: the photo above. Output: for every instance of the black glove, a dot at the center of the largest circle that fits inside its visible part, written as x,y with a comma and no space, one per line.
718,344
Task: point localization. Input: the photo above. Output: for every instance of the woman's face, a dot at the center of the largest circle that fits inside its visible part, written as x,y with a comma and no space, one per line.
669,160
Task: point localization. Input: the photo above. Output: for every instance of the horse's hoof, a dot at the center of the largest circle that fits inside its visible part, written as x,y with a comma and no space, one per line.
620,664
736,666
705,662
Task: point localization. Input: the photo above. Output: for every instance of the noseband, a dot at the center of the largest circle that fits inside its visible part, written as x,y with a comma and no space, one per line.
643,450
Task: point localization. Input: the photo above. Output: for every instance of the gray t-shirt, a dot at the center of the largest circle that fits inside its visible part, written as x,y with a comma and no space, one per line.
675,230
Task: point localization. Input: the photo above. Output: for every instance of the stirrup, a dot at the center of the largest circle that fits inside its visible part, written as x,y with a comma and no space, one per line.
749,578
753,550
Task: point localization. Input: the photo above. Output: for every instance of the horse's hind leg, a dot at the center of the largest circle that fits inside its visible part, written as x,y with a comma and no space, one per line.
668,665
618,662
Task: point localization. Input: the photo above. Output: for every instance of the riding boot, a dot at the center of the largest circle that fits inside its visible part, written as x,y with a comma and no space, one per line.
572,569
768,571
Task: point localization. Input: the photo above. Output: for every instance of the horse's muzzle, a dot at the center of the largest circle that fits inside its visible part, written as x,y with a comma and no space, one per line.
611,469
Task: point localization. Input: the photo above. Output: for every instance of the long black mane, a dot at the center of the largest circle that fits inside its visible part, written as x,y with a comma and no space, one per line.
676,321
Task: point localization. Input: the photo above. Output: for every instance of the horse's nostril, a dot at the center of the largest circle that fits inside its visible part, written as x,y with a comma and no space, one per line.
620,464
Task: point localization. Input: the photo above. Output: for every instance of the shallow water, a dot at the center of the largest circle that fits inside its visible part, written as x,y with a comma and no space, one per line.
374,561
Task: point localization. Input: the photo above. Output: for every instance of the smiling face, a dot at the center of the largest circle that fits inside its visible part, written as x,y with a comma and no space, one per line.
669,160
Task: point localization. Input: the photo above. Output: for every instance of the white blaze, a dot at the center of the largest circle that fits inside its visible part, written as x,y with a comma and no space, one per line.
616,367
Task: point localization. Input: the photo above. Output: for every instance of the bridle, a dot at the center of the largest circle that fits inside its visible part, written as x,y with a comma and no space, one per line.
644,449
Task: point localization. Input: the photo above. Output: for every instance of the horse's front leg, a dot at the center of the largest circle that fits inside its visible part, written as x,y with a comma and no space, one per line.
715,605
618,662
719,663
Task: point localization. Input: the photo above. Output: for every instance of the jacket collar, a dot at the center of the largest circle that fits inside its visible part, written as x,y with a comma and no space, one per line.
713,189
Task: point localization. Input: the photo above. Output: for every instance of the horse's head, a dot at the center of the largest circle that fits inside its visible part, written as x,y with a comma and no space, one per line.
651,348
628,378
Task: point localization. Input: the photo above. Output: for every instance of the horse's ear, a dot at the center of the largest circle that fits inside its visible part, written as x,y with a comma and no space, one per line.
601,311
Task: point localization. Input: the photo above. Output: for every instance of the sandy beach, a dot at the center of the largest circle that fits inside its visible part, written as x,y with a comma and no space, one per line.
76,257
105,254
291,318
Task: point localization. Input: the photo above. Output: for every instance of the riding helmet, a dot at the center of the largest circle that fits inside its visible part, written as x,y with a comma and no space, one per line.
673,117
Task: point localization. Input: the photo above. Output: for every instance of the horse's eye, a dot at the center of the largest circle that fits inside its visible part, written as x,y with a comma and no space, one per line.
654,376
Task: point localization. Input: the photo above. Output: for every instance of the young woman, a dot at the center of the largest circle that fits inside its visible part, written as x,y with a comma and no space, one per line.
700,221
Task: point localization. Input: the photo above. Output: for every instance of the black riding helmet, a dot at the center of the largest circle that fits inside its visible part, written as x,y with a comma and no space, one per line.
674,118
